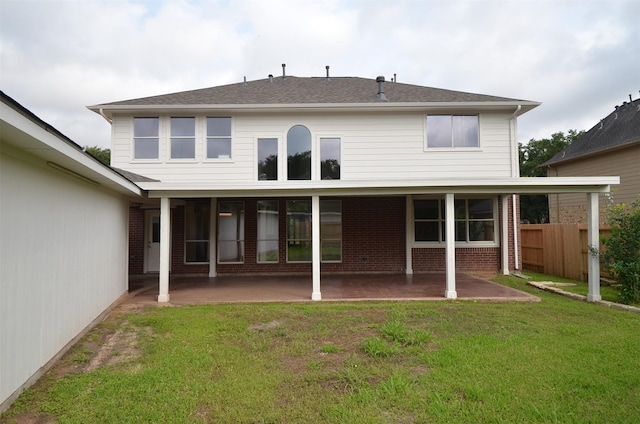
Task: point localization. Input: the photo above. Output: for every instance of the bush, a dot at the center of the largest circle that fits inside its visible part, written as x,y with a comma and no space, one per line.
622,249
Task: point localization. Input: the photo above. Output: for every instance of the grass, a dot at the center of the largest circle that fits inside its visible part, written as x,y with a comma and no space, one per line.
609,293
559,360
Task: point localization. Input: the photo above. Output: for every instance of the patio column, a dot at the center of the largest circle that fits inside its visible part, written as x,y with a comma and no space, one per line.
213,223
315,247
165,251
408,238
593,237
505,234
450,249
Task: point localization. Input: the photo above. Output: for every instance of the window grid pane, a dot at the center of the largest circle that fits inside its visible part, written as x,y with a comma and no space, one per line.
146,138
331,230
219,137
230,232
474,220
330,158
196,233
268,231
298,231
453,131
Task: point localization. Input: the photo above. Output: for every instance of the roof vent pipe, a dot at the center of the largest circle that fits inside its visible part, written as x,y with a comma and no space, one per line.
270,77
381,97
395,77
327,68
284,75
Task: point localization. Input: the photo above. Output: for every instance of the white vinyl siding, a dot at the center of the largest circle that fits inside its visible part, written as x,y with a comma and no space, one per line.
64,261
373,147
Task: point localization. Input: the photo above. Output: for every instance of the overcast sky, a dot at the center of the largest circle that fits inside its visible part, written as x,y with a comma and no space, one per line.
579,58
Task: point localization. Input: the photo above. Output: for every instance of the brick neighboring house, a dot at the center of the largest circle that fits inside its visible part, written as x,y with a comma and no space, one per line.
324,175
610,147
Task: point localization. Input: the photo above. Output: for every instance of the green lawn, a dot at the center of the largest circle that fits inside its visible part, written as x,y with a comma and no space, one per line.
560,360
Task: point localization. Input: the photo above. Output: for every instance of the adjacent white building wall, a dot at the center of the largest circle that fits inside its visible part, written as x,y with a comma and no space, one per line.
63,262
375,146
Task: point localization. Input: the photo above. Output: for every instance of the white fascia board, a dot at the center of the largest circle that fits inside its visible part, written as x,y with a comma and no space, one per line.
109,110
24,134
399,187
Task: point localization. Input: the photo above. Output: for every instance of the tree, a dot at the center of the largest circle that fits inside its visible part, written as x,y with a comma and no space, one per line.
103,155
622,249
535,208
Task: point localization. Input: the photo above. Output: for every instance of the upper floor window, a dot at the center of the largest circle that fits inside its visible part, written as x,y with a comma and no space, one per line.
330,158
146,138
299,153
267,159
452,131
183,138
219,138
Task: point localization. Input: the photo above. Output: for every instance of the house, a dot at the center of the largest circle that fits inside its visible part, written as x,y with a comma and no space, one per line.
63,244
610,147
326,175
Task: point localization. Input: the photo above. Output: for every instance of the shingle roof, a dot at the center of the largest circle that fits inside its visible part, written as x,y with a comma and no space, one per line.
297,90
620,128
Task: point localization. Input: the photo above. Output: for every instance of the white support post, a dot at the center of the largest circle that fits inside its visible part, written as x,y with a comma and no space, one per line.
165,251
213,223
593,237
315,243
505,234
450,249
409,235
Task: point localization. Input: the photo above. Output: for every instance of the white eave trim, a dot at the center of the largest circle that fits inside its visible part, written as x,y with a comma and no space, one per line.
109,110
399,187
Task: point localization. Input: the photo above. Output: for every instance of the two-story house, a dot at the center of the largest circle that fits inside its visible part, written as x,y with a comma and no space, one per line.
612,146
325,174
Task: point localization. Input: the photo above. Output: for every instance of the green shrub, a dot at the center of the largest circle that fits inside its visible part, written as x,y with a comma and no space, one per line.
622,253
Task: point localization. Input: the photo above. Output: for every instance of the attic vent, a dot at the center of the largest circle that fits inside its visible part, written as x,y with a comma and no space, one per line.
381,97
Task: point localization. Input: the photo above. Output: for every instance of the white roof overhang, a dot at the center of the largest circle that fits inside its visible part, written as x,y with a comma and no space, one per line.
109,110
543,185
22,131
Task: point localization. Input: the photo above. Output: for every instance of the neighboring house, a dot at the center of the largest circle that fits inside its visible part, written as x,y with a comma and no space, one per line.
63,244
611,147
326,174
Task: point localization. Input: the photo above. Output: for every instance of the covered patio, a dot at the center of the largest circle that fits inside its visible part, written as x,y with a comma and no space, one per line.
338,287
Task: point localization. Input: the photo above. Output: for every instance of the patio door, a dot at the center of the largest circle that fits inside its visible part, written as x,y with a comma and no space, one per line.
152,240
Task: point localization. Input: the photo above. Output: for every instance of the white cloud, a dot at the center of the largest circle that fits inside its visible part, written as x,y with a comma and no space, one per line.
579,58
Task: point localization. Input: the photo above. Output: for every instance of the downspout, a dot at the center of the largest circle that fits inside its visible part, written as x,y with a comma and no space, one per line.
515,172
105,116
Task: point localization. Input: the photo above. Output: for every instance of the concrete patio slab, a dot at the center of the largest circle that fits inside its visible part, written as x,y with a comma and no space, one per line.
298,288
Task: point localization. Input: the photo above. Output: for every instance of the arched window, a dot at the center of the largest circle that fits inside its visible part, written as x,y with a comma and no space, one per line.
299,153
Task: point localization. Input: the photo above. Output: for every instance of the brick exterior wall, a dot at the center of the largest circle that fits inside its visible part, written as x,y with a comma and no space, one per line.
373,240
136,241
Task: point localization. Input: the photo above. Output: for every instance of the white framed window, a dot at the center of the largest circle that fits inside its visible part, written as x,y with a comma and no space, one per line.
218,145
267,159
475,221
230,232
298,153
330,158
183,137
196,231
331,230
268,231
452,131
146,138
299,247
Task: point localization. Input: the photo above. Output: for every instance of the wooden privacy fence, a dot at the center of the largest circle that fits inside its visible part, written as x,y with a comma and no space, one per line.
558,249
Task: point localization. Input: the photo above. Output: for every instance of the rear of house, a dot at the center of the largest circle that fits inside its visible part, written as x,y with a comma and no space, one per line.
326,174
